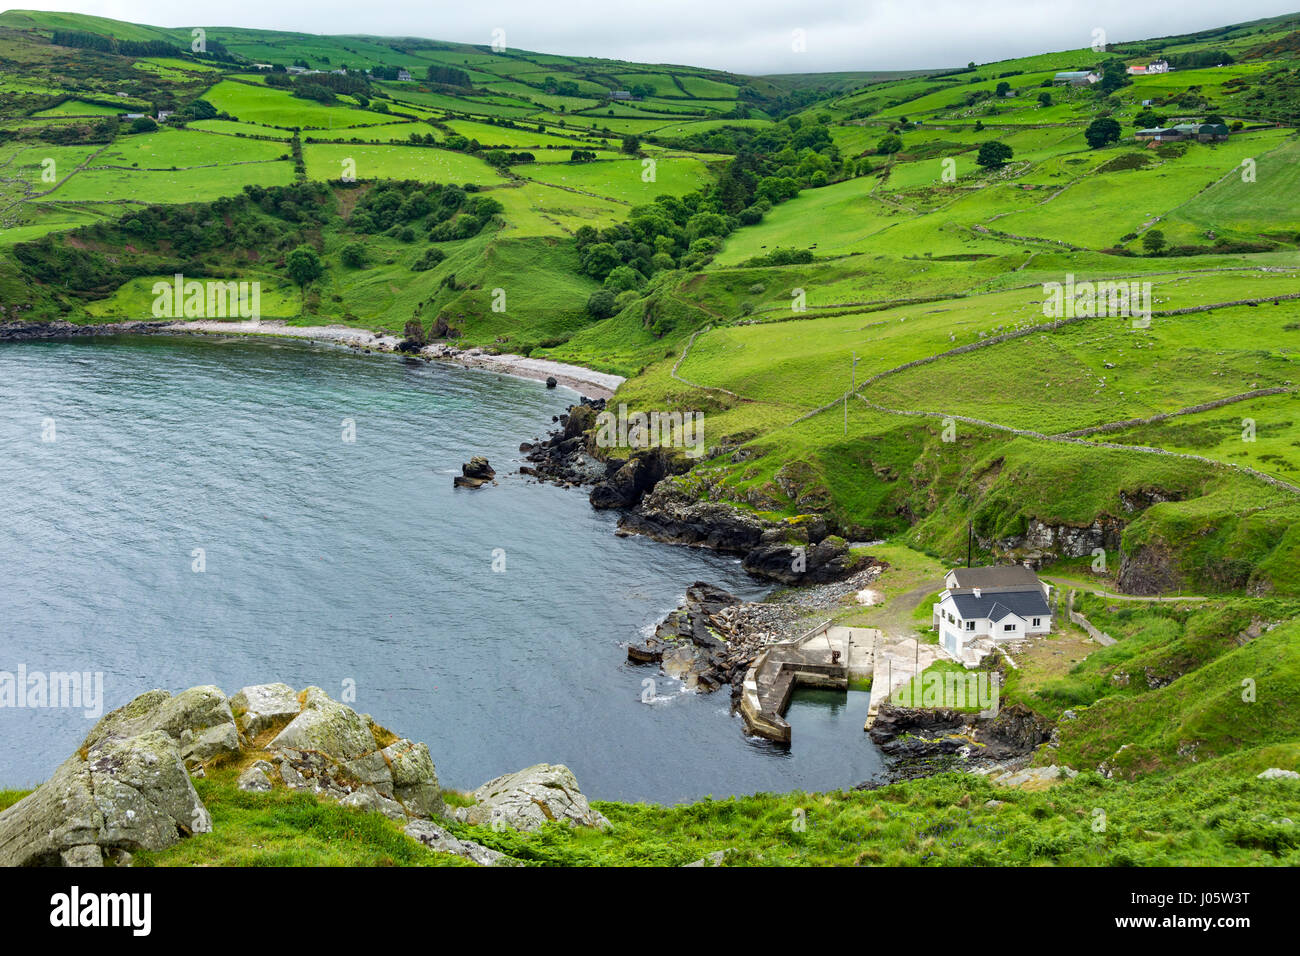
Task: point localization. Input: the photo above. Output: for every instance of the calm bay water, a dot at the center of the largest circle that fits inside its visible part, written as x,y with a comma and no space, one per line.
327,561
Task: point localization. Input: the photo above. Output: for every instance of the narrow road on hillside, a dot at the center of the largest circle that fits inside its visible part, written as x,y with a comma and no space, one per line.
1066,583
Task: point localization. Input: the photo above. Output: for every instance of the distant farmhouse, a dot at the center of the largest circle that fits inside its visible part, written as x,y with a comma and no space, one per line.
1201,132
1075,78
403,76
1156,66
620,95
986,606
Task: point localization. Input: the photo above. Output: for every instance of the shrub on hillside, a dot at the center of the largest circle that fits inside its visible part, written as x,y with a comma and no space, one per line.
430,258
601,304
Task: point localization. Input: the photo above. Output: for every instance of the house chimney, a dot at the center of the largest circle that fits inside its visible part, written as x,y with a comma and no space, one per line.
977,592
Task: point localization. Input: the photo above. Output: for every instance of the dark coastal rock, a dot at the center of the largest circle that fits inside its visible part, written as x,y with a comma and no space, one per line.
692,642
894,722
551,382
474,473
623,490
827,560
667,514
414,333
919,742
565,457
24,331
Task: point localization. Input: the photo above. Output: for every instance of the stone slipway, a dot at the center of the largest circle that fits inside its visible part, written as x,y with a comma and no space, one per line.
826,656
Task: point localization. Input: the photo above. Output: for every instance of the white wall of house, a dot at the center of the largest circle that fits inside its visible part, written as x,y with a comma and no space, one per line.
956,632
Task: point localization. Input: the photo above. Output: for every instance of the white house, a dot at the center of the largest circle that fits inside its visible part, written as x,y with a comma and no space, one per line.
1003,603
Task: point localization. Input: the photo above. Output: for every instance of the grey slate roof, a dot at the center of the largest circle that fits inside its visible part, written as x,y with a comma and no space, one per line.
1027,603
1000,576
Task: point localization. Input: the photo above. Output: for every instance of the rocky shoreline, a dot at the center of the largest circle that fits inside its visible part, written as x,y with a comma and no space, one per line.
713,636
796,551
920,742
586,382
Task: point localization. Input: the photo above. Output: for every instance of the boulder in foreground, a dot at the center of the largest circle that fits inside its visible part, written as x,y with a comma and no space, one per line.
527,799
128,787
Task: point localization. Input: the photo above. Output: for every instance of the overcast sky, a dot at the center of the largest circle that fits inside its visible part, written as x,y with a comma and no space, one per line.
747,36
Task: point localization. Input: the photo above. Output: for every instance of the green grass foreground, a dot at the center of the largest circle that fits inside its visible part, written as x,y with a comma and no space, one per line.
1215,814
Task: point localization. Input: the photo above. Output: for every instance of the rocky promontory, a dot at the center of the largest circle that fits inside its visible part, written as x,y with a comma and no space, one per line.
129,786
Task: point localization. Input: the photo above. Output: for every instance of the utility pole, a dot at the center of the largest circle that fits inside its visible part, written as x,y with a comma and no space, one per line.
853,387
970,537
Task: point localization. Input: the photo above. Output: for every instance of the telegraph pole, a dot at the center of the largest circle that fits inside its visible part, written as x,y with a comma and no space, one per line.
853,387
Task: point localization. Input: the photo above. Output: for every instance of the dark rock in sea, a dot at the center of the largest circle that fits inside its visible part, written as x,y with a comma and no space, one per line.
551,382
644,654
474,473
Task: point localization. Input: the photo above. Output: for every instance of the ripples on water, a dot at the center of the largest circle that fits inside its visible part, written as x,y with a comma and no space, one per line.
329,561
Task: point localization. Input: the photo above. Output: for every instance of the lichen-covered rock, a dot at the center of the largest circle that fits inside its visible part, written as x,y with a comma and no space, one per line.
326,726
254,780
715,858
1032,778
368,798
263,706
332,750
131,793
438,839
527,799
199,719
415,780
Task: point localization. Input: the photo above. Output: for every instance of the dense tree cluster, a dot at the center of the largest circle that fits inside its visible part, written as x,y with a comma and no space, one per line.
81,40
770,166
1197,59
401,208
993,154
448,76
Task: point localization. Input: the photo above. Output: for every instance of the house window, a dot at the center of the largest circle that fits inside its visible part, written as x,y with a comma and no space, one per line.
1038,621
1008,627
970,625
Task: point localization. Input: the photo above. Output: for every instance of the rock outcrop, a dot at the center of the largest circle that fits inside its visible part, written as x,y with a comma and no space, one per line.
669,514
694,643
828,560
527,799
475,473
918,742
440,841
1277,773
128,787
332,750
